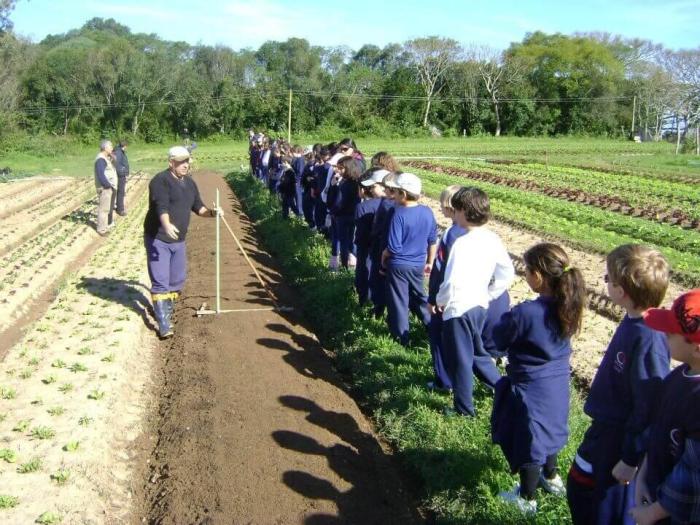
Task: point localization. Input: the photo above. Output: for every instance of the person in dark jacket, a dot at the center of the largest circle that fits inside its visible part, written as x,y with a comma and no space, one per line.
172,196
121,162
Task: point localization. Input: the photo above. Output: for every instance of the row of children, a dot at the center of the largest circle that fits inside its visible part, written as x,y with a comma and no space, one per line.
640,459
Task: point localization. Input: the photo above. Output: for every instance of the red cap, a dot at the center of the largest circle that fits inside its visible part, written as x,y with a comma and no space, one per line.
683,317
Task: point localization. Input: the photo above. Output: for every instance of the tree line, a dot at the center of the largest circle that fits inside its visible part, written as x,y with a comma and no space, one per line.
102,79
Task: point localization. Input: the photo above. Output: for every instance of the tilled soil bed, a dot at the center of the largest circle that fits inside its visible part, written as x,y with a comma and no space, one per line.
254,424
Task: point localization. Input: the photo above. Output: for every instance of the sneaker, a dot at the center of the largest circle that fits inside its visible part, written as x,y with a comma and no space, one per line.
553,486
512,497
333,263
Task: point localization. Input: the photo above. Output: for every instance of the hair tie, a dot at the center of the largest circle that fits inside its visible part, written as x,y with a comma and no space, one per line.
566,269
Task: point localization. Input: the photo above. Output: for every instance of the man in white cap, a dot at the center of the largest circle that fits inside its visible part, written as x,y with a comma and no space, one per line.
172,195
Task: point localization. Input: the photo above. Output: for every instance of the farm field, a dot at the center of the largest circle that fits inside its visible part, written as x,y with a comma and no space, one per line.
248,417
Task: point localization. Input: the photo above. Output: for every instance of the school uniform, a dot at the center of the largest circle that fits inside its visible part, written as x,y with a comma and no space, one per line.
673,456
378,239
342,199
308,200
287,191
364,217
412,230
275,172
298,165
620,400
437,275
531,405
321,174
497,307
478,270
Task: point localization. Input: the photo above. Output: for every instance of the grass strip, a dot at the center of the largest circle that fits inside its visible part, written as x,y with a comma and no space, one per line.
458,469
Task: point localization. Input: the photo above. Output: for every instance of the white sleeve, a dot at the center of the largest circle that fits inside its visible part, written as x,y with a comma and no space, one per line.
448,288
503,274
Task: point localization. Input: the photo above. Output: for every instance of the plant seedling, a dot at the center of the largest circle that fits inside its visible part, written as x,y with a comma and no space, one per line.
34,361
84,421
65,387
85,351
78,367
26,373
58,363
109,358
71,446
30,466
61,476
56,411
96,394
7,502
49,379
8,455
22,425
43,432
49,518
7,392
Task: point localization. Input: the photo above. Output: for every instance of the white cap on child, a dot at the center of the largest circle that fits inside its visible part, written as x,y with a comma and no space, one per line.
409,183
376,178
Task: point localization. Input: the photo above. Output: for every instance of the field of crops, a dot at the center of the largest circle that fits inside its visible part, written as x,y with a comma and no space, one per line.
66,372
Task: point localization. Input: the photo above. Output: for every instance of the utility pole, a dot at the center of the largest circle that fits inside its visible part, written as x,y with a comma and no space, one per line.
634,112
289,119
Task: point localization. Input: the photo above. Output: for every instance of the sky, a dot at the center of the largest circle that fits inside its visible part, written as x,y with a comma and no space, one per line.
249,23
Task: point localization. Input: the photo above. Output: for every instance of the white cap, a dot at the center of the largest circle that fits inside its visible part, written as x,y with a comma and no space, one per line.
308,149
376,178
409,183
333,161
178,153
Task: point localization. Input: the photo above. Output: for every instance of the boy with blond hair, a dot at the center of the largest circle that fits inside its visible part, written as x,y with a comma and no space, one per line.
622,392
668,483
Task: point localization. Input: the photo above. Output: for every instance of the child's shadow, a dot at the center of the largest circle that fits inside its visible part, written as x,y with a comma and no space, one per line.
359,461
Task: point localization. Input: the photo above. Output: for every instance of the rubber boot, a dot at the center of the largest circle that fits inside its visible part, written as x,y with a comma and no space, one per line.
160,309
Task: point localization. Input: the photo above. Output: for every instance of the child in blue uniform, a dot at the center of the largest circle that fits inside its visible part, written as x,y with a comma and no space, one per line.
287,187
342,199
441,379
371,192
622,392
478,270
668,482
531,406
408,256
378,236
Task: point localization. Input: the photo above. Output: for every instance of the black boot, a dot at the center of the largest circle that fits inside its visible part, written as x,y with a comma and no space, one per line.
160,309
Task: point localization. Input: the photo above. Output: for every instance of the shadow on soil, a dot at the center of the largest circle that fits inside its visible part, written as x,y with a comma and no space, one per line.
349,460
127,293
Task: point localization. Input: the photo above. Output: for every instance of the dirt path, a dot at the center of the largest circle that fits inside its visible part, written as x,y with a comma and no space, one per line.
254,424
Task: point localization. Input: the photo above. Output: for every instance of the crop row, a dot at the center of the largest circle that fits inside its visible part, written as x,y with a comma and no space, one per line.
674,204
582,226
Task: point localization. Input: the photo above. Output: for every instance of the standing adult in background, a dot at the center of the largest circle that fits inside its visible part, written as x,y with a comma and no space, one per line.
122,164
172,194
106,184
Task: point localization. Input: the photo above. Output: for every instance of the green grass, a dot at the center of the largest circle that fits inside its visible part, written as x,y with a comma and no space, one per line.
458,469
597,153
